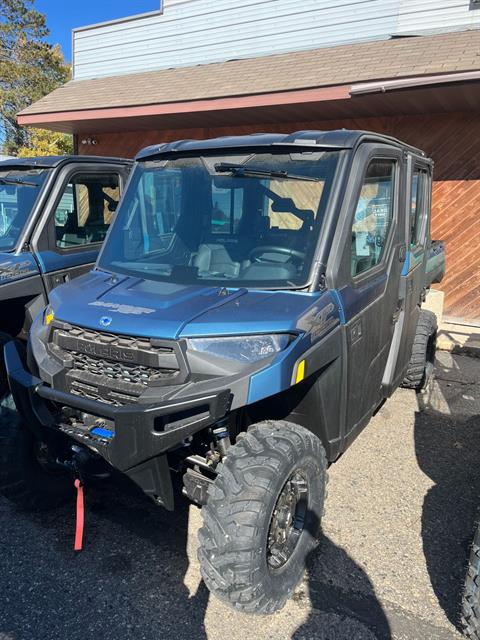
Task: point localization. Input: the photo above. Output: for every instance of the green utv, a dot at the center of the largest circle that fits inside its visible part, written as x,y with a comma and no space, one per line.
255,302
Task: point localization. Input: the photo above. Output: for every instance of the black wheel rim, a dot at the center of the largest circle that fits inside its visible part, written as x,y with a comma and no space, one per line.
288,520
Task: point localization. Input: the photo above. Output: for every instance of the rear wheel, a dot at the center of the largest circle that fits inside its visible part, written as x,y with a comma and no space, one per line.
420,367
262,517
471,595
29,476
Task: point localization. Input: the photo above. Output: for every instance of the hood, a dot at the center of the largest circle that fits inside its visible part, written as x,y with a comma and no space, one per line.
15,267
137,307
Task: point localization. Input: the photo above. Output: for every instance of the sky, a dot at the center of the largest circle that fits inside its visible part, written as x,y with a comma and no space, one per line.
63,16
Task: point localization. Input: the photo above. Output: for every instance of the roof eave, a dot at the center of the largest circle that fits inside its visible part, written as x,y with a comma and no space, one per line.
415,94
338,92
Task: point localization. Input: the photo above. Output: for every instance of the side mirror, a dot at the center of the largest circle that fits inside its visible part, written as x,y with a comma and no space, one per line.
284,205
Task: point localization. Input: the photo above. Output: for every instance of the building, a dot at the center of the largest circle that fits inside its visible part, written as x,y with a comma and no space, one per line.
201,68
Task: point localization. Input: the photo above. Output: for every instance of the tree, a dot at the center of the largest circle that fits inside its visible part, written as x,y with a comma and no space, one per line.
43,142
30,68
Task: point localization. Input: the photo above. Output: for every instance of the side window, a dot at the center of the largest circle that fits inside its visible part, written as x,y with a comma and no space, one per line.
373,215
86,209
418,205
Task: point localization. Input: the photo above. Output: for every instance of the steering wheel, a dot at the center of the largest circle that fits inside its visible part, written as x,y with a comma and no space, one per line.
255,253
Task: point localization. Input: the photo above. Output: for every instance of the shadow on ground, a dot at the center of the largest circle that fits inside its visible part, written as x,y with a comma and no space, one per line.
447,444
359,606
127,583
130,582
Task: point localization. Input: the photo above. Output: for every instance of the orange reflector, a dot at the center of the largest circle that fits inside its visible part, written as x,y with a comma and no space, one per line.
300,372
49,317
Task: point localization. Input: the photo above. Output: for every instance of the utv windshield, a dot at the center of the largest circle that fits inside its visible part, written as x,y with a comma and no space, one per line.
18,192
243,220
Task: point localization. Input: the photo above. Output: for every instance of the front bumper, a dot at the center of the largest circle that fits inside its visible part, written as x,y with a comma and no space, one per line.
140,434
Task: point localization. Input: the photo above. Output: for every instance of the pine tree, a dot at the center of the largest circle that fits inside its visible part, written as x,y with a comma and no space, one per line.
30,68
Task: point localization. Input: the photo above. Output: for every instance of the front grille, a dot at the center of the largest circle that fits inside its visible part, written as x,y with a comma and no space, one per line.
111,368
135,374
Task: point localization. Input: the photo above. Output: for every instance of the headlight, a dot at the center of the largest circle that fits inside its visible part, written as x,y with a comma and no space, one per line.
242,348
48,315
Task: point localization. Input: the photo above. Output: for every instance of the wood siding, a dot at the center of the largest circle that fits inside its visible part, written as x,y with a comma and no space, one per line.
452,140
204,31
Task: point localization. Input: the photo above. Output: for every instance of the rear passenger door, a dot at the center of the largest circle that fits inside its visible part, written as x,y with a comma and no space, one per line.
367,259
412,282
76,222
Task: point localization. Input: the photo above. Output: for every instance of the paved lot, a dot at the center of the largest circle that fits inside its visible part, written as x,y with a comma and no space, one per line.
400,511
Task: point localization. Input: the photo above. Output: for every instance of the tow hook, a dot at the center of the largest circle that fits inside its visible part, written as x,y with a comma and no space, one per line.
79,456
84,462
80,516
76,465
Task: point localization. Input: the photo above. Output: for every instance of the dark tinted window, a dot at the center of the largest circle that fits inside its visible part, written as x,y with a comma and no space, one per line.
200,220
373,215
418,205
18,192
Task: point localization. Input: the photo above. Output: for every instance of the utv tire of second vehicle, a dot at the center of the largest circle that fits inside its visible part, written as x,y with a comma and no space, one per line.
470,617
242,549
4,338
23,479
420,367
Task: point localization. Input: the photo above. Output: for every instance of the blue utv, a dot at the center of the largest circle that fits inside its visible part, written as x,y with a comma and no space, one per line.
256,300
54,214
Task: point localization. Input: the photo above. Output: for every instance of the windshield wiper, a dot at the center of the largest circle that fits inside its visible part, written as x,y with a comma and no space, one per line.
17,182
257,172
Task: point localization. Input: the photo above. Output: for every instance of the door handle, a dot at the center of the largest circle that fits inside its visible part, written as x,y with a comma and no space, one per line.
356,331
60,278
402,252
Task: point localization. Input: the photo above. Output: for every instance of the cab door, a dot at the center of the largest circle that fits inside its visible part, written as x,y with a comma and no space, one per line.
76,220
412,281
367,258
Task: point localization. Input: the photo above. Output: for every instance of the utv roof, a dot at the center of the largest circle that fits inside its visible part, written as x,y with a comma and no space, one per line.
51,162
338,139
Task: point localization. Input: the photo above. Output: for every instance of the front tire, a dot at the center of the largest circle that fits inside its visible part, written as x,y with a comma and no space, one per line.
263,516
471,596
28,477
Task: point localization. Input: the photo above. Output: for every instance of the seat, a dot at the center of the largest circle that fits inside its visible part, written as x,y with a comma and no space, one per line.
96,232
215,259
257,271
71,234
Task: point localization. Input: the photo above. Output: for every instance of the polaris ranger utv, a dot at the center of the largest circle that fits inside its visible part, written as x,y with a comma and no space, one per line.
54,213
255,302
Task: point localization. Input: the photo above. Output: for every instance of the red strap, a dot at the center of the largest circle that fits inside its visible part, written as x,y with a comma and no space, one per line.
80,516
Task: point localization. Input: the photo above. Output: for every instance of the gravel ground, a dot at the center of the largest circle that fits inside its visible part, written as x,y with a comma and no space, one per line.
400,512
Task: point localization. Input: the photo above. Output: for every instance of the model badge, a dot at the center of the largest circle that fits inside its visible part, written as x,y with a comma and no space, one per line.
105,321
129,309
